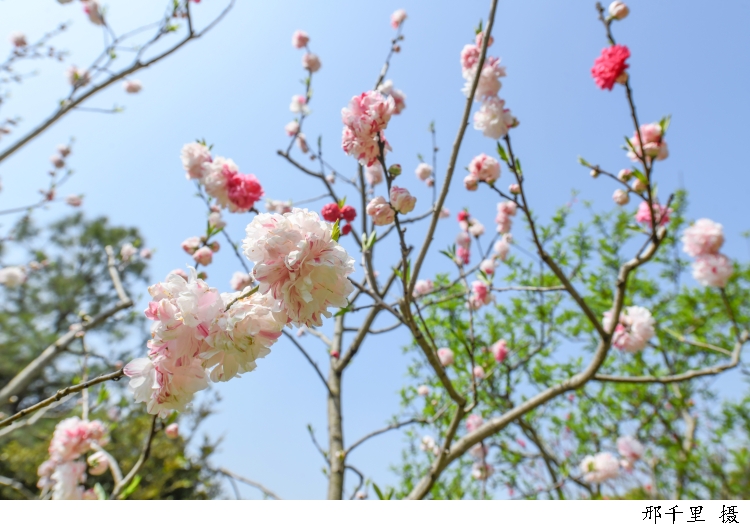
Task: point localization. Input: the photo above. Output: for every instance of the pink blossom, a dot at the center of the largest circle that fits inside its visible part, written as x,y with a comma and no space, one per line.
281,207
77,77
625,175
292,128
654,146
191,244
422,288
299,264
489,80
712,270
299,105
374,174
445,213
634,329
18,39
302,143
240,280
423,390
381,212
94,11
618,10
446,356
423,171
610,66
487,266
311,62
428,445
243,191
476,229
505,211
703,237
485,168
195,159
430,182
397,18
469,58
402,201
215,221
241,335
500,350
132,86
463,240
300,39
502,247
621,197
479,372
600,468
473,422
481,470
493,119
203,255
73,437
643,215
364,120
146,253
98,463
331,212
463,255
64,150
471,182
127,251
181,273
480,295
478,451
172,431
629,448
399,98
74,200
65,480
57,161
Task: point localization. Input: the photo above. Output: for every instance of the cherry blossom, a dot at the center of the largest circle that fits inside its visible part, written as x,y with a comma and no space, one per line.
74,200
281,207
204,256
399,98
480,295
18,39
423,171
481,471
94,11
311,62
505,211
132,86
300,39
195,158
493,119
487,266
500,350
374,174
618,10
489,80
712,270
484,168
292,128
233,190
634,329
146,253
77,77
12,276
629,448
402,200
600,468
299,105
364,120
191,244
381,212
621,197
478,372
397,18
463,255
98,463
476,229
240,280
502,247
473,422
73,437
299,263
422,287
703,237
172,431
446,356
654,145
661,212
127,251
428,445
609,68
423,390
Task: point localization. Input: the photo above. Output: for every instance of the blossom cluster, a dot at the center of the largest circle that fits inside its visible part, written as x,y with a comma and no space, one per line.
63,473
221,178
365,120
492,118
332,212
482,168
633,330
702,241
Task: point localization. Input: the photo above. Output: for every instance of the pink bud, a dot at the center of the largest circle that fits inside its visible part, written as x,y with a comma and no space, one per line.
500,350
203,255
479,372
172,431
300,39
621,197
98,463
423,390
335,354
515,189
446,356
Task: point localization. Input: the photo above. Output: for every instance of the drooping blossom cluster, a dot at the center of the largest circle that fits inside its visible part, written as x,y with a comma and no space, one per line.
600,468
399,98
299,264
221,178
63,472
505,212
332,212
661,213
703,240
610,67
482,168
654,145
365,120
199,334
634,329
493,119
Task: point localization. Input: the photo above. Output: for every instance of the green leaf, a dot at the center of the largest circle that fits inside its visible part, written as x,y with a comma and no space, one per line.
664,124
583,162
103,395
343,310
336,232
100,493
131,487
502,153
378,492
518,166
342,202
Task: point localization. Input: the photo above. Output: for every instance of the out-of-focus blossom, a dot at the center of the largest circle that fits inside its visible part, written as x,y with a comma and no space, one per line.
74,200
661,213
204,256
240,280
629,448
618,10
423,287
18,39
423,171
600,468
402,200
172,431
634,329
654,145
311,62
195,159
397,18
299,105
703,237
610,67
300,39
493,119
500,350
712,270
127,251
446,356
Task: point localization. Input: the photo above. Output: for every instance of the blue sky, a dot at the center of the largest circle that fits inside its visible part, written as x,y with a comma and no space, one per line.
233,88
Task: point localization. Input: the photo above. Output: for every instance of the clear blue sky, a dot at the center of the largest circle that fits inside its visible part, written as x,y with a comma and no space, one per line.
233,87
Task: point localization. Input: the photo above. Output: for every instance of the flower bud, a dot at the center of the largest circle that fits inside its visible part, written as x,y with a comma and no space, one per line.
515,189
621,197
618,10
214,246
625,175
202,275
594,173
98,463
423,390
172,431
335,354
394,170
471,182
639,185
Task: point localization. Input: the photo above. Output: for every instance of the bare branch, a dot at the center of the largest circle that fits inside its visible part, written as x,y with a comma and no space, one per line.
20,488
309,359
258,485
139,464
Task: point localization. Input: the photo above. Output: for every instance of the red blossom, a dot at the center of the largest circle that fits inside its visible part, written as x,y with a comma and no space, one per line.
610,65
